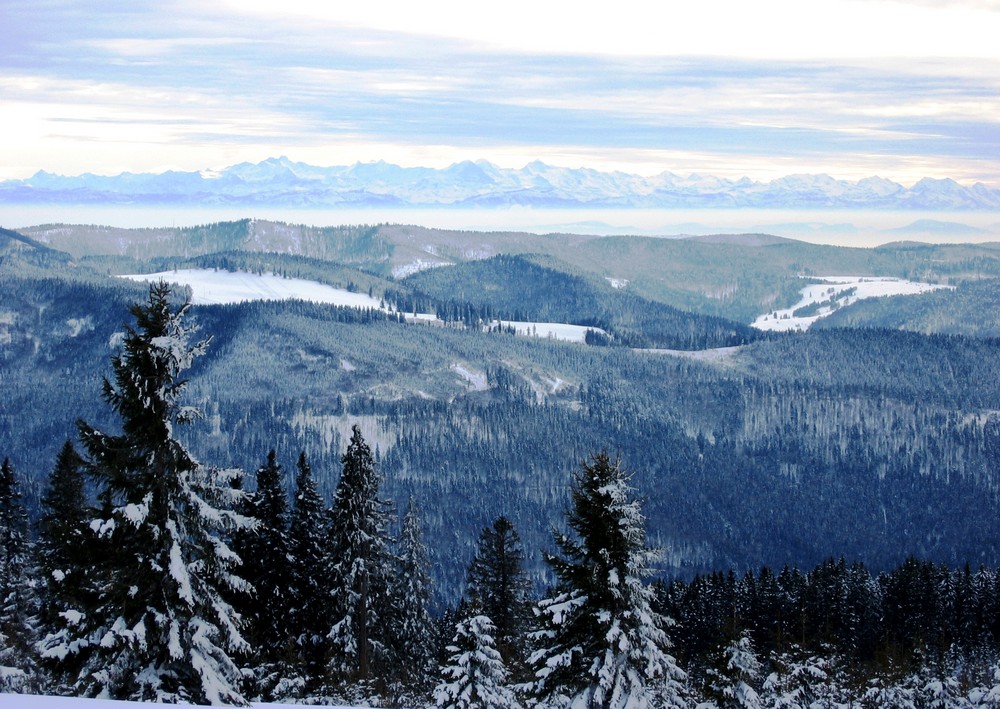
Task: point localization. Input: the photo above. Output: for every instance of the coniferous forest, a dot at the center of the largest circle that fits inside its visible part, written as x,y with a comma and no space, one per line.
416,515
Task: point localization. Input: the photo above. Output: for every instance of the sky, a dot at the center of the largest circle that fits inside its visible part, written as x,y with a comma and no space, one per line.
851,88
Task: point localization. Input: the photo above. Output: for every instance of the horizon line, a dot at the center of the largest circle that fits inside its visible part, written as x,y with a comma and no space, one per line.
210,173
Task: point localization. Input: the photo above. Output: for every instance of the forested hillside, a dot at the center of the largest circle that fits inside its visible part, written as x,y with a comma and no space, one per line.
789,450
737,277
972,309
875,442
519,288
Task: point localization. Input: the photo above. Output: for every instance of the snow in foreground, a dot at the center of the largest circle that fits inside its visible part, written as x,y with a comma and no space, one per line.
212,287
836,292
34,701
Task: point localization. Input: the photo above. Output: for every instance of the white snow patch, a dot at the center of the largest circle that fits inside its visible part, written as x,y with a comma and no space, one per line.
211,287
551,330
617,282
80,325
417,265
476,379
334,430
137,513
422,318
555,384
346,366
73,617
714,354
833,288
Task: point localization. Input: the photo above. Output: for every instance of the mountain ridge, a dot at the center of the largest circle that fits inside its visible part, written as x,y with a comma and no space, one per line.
281,181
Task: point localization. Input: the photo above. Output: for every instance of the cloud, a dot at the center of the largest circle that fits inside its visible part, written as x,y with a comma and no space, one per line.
189,86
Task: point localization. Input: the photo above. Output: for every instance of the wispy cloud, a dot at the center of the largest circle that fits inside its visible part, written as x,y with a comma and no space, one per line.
104,87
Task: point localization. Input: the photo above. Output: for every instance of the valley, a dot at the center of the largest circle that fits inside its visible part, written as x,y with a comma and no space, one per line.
750,446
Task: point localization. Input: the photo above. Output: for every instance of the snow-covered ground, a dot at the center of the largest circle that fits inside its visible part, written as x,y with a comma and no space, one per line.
835,288
553,330
33,701
476,380
212,287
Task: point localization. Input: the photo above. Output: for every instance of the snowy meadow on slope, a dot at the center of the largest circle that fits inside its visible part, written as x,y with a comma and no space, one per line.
215,287
832,292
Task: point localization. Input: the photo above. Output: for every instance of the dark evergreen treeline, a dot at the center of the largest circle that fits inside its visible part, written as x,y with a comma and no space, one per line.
915,620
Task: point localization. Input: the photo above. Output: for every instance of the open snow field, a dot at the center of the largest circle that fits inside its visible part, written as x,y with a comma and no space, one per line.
836,292
552,330
212,287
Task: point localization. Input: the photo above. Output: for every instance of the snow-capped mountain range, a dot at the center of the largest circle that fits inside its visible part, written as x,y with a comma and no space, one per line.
283,182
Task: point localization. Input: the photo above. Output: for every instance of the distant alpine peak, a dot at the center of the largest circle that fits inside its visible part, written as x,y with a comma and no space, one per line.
282,181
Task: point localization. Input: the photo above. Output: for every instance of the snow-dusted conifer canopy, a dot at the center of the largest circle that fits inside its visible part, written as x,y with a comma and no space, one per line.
154,623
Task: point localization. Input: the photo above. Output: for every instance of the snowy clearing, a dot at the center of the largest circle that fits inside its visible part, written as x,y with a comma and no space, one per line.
476,380
551,330
416,266
212,287
821,299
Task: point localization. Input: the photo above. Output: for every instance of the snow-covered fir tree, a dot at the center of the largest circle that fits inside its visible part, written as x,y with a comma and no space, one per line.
474,677
157,627
730,683
264,551
414,627
499,588
61,540
988,695
600,643
360,566
307,601
896,692
797,680
18,670
64,548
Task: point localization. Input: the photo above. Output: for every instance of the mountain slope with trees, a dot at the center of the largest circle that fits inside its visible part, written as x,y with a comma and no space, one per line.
734,276
842,442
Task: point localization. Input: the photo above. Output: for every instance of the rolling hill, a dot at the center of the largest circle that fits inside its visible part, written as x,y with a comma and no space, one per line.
787,449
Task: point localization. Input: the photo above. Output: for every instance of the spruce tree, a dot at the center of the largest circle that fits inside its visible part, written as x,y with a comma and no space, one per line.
18,671
360,565
474,676
414,629
158,627
264,551
731,679
266,566
65,548
499,588
307,604
600,643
